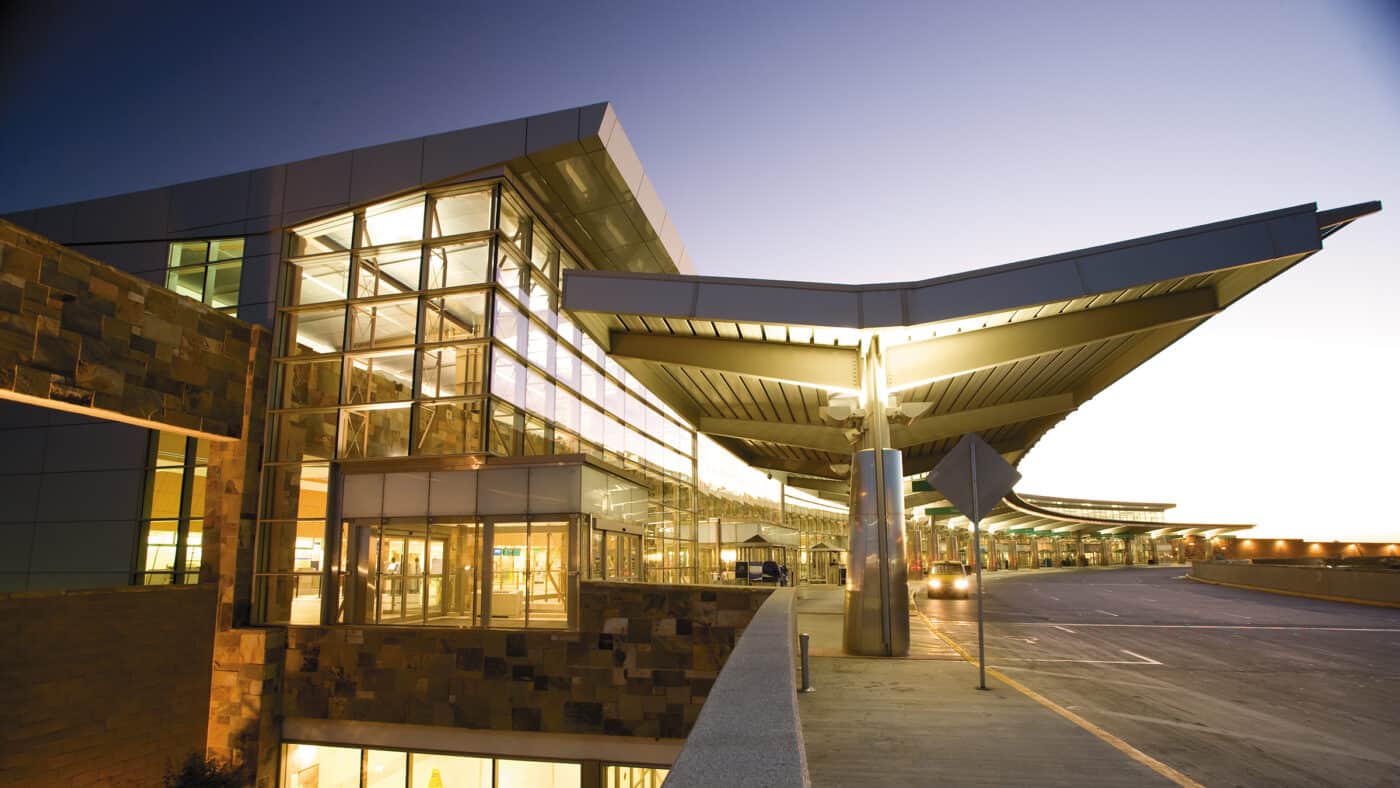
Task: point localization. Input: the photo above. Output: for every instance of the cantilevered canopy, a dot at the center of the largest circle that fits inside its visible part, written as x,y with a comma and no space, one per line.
1023,513
1004,351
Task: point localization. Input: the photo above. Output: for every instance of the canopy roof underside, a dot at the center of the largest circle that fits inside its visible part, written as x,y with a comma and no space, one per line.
1006,351
1033,514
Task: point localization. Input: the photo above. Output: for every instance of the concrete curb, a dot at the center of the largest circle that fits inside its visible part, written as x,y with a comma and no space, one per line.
1323,597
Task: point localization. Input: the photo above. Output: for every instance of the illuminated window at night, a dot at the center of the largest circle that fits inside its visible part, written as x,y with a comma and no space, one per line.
207,271
327,766
172,526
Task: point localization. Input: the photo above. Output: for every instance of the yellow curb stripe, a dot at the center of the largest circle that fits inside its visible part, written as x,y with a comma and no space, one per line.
1117,743
1303,594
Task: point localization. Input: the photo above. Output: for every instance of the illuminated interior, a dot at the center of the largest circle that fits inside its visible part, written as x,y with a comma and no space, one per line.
429,326
327,766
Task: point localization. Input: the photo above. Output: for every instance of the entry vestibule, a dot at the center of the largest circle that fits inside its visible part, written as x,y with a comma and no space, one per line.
490,547
507,572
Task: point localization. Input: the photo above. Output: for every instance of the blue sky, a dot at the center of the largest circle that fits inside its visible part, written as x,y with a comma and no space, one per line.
856,142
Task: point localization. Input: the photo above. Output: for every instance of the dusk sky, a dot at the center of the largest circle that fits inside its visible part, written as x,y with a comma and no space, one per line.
857,142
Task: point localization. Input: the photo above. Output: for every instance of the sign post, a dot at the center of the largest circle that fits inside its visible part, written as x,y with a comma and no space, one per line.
974,478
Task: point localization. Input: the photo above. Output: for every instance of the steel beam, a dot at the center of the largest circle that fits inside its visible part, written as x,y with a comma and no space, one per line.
804,365
824,470
807,436
821,485
952,425
957,354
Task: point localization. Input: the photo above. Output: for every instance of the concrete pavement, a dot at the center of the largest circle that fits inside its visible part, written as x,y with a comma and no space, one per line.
922,720
1230,687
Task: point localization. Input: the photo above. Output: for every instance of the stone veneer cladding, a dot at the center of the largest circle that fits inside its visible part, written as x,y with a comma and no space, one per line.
641,664
79,334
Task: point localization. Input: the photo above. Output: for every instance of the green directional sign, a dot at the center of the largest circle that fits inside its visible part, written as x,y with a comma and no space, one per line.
942,510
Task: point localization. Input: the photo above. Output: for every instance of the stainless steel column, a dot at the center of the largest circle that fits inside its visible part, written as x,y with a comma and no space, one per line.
877,595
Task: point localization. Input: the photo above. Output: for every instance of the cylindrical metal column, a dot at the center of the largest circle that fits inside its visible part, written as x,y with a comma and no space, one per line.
877,596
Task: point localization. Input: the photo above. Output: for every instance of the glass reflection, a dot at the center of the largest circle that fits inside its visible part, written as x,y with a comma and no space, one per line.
458,265
454,317
331,235
392,223
468,212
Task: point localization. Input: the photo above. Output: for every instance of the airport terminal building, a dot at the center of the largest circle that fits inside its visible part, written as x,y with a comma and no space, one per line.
435,462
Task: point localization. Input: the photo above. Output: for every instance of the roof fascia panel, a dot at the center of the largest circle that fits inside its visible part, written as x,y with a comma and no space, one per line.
1213,247
761,302
995,291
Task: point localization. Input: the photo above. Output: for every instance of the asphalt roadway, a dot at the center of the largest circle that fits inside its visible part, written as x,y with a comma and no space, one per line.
1229,687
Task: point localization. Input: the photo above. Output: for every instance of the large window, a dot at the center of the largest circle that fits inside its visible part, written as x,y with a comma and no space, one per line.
207,271
325,766
172,525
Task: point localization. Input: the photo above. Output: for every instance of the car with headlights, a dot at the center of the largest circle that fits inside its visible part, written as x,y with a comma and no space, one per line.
948,578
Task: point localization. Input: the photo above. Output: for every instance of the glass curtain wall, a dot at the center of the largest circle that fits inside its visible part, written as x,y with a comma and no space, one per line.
813,527
429,326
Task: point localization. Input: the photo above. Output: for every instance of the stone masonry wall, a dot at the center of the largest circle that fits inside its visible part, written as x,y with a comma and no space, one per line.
642,664
80,335
103,688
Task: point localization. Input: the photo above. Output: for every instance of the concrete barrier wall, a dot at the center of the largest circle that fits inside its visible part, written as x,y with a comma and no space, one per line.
749,732
1379,587
103,687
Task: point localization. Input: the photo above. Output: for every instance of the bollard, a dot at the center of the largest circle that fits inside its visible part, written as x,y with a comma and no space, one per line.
805,640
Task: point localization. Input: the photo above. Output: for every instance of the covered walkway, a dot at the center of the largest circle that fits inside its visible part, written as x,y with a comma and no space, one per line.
1040,532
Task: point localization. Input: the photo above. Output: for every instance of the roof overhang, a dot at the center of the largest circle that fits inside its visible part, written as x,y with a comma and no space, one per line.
1006,351
578,163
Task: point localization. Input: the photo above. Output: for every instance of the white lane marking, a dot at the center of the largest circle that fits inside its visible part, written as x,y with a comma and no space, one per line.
1106,613
1063,629
1200,626
1146,660
1141,660
1054,598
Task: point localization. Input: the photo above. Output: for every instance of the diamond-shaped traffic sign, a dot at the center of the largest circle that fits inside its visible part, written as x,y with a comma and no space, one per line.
973,477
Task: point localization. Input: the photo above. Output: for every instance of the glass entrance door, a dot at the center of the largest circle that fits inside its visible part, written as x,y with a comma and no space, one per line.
528,571
404,553
618,555
442,572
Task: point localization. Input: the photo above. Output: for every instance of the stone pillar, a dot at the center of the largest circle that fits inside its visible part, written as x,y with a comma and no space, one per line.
1079,558
245,686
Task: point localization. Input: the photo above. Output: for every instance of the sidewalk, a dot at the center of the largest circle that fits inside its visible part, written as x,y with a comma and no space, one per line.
921,720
